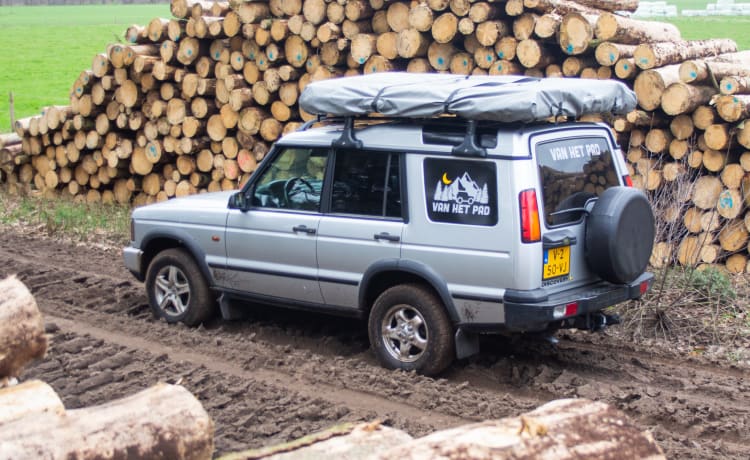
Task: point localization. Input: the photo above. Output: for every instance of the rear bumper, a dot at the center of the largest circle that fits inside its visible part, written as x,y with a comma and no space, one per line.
531,315
132,257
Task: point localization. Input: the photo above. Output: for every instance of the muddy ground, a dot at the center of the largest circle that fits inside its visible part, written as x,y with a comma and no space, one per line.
281,374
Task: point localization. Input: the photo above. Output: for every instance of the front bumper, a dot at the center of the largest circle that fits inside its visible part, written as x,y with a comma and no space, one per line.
132,257
536,315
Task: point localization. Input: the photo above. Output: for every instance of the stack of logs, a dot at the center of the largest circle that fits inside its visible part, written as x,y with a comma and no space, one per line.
191,104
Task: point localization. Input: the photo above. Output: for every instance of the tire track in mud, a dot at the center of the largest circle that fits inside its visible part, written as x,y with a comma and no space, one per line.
278,375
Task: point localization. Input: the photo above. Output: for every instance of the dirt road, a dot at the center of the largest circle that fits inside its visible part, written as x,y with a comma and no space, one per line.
281,374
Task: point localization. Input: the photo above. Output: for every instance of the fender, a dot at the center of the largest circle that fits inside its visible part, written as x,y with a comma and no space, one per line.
186,240
415,268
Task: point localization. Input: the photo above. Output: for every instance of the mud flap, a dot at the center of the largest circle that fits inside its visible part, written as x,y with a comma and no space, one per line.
467,344
229,310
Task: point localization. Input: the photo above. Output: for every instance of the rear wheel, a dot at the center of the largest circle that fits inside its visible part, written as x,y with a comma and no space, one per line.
410,330
177,290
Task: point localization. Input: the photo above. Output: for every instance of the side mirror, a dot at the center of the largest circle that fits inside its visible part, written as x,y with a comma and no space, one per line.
238,201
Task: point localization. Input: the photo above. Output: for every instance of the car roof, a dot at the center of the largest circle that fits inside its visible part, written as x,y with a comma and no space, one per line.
407,135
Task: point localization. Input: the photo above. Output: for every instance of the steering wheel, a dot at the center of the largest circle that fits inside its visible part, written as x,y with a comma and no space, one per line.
291,183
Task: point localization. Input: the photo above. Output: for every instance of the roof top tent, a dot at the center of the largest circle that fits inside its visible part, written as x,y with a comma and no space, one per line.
493,98
510,99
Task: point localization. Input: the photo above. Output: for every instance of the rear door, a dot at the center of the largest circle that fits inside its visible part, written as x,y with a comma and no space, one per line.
573,170
363,223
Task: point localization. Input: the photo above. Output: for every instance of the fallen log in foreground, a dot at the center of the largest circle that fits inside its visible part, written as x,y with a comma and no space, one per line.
566,428
22,337
161,422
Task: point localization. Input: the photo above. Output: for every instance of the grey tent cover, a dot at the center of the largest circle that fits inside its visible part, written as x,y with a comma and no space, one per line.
497,98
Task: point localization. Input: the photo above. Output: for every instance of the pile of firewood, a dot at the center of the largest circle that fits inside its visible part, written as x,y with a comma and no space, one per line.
191,104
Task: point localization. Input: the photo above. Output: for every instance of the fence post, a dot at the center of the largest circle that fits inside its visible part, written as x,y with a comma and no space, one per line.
12,111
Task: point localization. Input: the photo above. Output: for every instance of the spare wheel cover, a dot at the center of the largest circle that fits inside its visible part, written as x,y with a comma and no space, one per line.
620,235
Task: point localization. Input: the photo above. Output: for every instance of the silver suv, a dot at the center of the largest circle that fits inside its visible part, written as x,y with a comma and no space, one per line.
435,231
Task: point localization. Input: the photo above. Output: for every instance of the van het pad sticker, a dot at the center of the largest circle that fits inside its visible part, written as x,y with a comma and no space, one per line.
461,192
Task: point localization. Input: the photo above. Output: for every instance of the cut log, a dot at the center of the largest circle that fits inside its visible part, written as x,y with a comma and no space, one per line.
733,108
444,28
625,69
161,419
489,32
28,399
706,192
568,427
410,44
679,97
547,25
651,55
736,263
581,5
715,68
608,53
735,84
576,33
730,203
22,337
717,136
688,251
620,29
649,86
733,236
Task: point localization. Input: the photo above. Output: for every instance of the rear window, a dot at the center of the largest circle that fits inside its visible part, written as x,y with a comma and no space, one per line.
572,172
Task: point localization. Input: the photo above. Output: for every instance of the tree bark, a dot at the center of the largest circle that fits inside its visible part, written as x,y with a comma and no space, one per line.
649,86
164,421
681,97
568,427
620,29
22,337
649,56
733,108
576,33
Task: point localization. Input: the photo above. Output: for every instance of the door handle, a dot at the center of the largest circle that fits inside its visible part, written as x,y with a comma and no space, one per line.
303,228
387,236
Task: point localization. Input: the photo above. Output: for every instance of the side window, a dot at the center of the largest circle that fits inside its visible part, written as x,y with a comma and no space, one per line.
366,183
293,181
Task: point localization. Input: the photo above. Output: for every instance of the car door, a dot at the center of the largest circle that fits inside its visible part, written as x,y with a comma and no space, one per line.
362,224
271,248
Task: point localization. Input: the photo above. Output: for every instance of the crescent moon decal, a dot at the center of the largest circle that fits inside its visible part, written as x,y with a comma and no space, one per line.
446,181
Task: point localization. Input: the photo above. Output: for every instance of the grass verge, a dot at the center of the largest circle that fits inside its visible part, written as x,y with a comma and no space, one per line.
63,218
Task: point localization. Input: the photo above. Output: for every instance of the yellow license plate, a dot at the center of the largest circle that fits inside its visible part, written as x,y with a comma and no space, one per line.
556,262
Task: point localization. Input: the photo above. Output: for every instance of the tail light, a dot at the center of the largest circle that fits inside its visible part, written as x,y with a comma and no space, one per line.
643,288
530,227
564,311
628,181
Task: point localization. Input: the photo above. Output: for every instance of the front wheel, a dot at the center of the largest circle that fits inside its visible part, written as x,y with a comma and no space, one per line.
410,330
177,290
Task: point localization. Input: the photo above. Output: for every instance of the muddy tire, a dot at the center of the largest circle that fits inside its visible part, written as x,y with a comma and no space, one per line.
620,235
177,290
410,330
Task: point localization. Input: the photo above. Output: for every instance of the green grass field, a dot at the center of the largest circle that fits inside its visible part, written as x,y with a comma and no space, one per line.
45,48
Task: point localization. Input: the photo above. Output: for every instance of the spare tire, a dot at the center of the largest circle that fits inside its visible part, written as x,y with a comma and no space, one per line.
620,235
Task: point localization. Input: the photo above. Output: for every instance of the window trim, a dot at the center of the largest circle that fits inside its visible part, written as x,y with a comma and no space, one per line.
249,189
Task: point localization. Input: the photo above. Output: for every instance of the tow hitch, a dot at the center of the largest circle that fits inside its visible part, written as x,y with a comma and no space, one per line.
595,322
